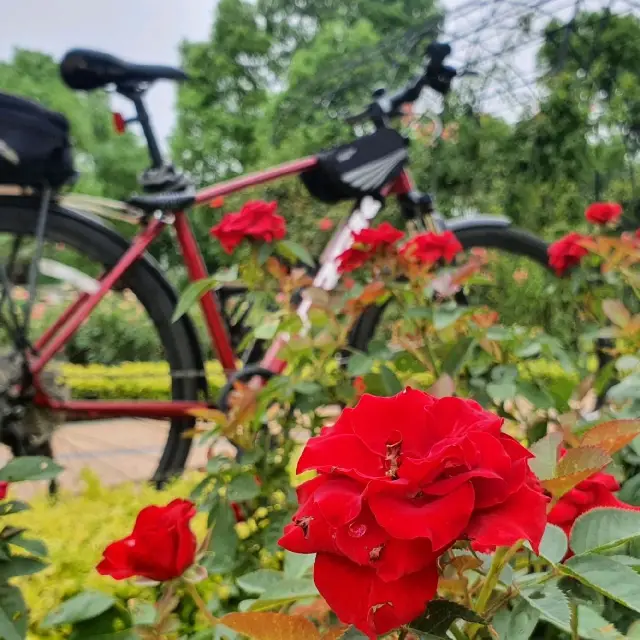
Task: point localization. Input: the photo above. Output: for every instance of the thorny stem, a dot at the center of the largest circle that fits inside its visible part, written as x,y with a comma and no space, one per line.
502,557
574,621
201,604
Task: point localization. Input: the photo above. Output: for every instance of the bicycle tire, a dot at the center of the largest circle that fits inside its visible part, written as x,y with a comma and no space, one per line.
92,239
514,241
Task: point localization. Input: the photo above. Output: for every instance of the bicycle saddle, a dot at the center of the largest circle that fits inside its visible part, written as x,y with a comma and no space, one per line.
86,70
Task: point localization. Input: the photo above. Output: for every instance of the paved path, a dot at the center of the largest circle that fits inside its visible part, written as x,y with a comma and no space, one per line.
117,451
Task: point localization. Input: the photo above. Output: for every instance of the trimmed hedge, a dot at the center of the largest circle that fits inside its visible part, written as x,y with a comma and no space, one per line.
151,380
128,381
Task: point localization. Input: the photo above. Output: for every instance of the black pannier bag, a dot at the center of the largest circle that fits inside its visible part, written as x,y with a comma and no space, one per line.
359,168
35,149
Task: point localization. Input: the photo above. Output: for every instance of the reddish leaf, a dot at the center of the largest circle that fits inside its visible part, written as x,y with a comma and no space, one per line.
577,465
611,436
271,626
616,312
443,387
334,634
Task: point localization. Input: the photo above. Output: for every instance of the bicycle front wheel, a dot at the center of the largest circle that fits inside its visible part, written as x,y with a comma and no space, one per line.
523,290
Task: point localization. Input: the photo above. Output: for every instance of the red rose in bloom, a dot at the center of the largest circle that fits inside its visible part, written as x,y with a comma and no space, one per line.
256,220
4,489
595,491
429,248
399,480
366,244
567,252
603,212
161,546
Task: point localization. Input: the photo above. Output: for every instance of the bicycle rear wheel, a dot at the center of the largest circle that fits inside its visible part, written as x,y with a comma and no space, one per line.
137,449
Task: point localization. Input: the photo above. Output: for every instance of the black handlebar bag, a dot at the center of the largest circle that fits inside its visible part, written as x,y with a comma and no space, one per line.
35,149
357,169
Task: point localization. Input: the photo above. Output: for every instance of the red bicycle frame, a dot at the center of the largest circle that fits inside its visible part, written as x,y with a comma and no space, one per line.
72,318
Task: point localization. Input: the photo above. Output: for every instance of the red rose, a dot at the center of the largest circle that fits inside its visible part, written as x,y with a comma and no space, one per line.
567,252
4,489
256,220
399,481
161,546
595,491
429,248
603,212
366,244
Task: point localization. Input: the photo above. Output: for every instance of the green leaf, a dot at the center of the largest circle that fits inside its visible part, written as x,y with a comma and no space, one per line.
267,329
390,382
13,613
84,606
19,566
603,528
628,389
517,624
455,359
285,592
535,394
257,582
554,544
546,452
29,468
359,364
444,317
144,614
264,252
498,333
290,249
218,464
550,601
13,506
501,391
223,545
242,488
441,614
610,578
36,547
192,293
419,313
307,388
296,565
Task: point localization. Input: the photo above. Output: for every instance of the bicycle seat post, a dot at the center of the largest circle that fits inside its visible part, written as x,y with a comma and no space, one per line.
135,93
143,118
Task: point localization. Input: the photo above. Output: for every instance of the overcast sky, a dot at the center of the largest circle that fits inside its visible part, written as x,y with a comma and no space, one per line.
151,31
139,30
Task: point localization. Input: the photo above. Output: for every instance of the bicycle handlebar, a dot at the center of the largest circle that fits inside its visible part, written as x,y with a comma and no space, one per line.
437,76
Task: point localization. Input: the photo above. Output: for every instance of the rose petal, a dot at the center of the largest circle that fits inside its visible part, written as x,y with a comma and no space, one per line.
441,520
522,517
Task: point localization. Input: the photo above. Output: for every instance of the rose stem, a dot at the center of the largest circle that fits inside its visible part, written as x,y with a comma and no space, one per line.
200,603
403,634
502,557
574,621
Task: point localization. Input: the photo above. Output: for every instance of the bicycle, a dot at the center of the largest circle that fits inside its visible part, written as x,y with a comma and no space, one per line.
332,176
